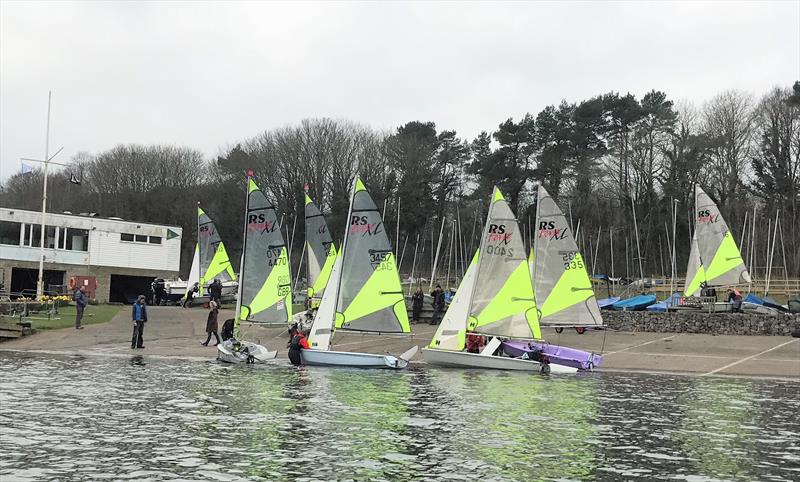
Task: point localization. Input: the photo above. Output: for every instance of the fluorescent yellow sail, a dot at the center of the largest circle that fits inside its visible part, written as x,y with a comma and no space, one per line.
219,263
273,291
382,290
516,296
324,274
572,288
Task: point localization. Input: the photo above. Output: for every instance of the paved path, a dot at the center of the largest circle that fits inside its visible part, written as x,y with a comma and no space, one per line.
177,332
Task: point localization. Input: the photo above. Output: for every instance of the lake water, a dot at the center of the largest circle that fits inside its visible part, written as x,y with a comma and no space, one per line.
76,418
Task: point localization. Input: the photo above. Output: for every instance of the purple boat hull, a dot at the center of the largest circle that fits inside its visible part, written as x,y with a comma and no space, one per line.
582,360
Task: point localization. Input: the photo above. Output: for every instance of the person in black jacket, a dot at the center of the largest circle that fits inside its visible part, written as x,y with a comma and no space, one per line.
139,315
438,304
215,291
227,329
417,300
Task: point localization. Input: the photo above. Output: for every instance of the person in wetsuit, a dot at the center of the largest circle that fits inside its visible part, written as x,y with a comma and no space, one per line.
297,343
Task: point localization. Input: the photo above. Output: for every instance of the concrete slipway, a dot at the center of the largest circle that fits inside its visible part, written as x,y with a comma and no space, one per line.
177,332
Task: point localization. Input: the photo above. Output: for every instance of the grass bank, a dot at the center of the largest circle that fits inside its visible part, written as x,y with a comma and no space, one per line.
66,317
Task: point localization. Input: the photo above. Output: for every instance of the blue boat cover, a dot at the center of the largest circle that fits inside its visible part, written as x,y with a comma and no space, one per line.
636,303
607,302
663,306
751,298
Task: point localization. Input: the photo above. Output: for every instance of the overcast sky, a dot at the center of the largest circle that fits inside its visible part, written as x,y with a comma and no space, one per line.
210,74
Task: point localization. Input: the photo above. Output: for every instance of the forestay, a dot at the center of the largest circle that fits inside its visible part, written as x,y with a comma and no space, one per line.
561,285
320,248
265,280
719,254
214,262
369,294
502,301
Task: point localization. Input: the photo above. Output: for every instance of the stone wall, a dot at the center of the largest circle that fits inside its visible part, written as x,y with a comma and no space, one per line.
697,322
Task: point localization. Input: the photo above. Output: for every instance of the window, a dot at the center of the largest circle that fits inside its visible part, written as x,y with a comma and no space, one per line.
77,239
50,237
9,233
126,237
155,239
62,238
33,233
140,238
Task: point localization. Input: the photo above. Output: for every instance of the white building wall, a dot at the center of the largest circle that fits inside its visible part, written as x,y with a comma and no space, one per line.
106,247
108,250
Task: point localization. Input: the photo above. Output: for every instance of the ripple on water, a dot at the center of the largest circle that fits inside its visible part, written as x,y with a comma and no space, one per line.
74,418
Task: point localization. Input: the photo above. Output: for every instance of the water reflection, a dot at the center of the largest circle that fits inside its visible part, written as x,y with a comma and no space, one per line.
72,418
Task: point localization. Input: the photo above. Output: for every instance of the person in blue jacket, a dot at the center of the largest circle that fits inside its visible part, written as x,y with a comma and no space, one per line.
80,299
139,315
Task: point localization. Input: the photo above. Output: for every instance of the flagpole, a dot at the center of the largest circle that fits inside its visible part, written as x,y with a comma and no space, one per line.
40,282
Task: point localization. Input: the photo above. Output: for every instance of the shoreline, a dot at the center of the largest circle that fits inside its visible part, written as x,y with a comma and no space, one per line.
176,330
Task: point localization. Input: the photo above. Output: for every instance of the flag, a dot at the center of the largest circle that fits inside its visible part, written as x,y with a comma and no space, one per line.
74,179
25,169
305,187
171,234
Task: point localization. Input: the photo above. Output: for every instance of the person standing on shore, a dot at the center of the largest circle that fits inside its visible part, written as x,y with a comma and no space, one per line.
80,299
417,300
211,324
139,315
215,291
438,305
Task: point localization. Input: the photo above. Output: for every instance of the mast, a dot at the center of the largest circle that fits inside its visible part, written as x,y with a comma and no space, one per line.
344,253
436,256
536,245
241,260
199,252
674,240
414,264
638,250
481,248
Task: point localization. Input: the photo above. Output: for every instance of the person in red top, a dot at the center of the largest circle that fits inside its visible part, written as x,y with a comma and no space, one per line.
475,342
297,342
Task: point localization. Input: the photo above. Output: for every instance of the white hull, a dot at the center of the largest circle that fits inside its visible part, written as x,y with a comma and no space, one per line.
462,359
348,359
179,286
246,352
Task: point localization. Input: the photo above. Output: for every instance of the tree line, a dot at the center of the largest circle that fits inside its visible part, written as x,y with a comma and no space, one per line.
618,165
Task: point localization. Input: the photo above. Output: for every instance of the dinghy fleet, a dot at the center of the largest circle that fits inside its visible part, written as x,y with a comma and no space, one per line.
504,299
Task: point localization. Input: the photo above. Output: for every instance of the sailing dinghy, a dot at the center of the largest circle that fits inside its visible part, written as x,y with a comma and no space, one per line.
363,293
561,287
212,259
714,258
265,294
495,299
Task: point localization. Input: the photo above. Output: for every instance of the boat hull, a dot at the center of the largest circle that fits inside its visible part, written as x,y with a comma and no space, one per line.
246,352
349,359
560,355
462,359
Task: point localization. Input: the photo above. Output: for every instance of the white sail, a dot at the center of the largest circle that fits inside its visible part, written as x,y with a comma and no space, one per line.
695,275
322,328
194,271
451,334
